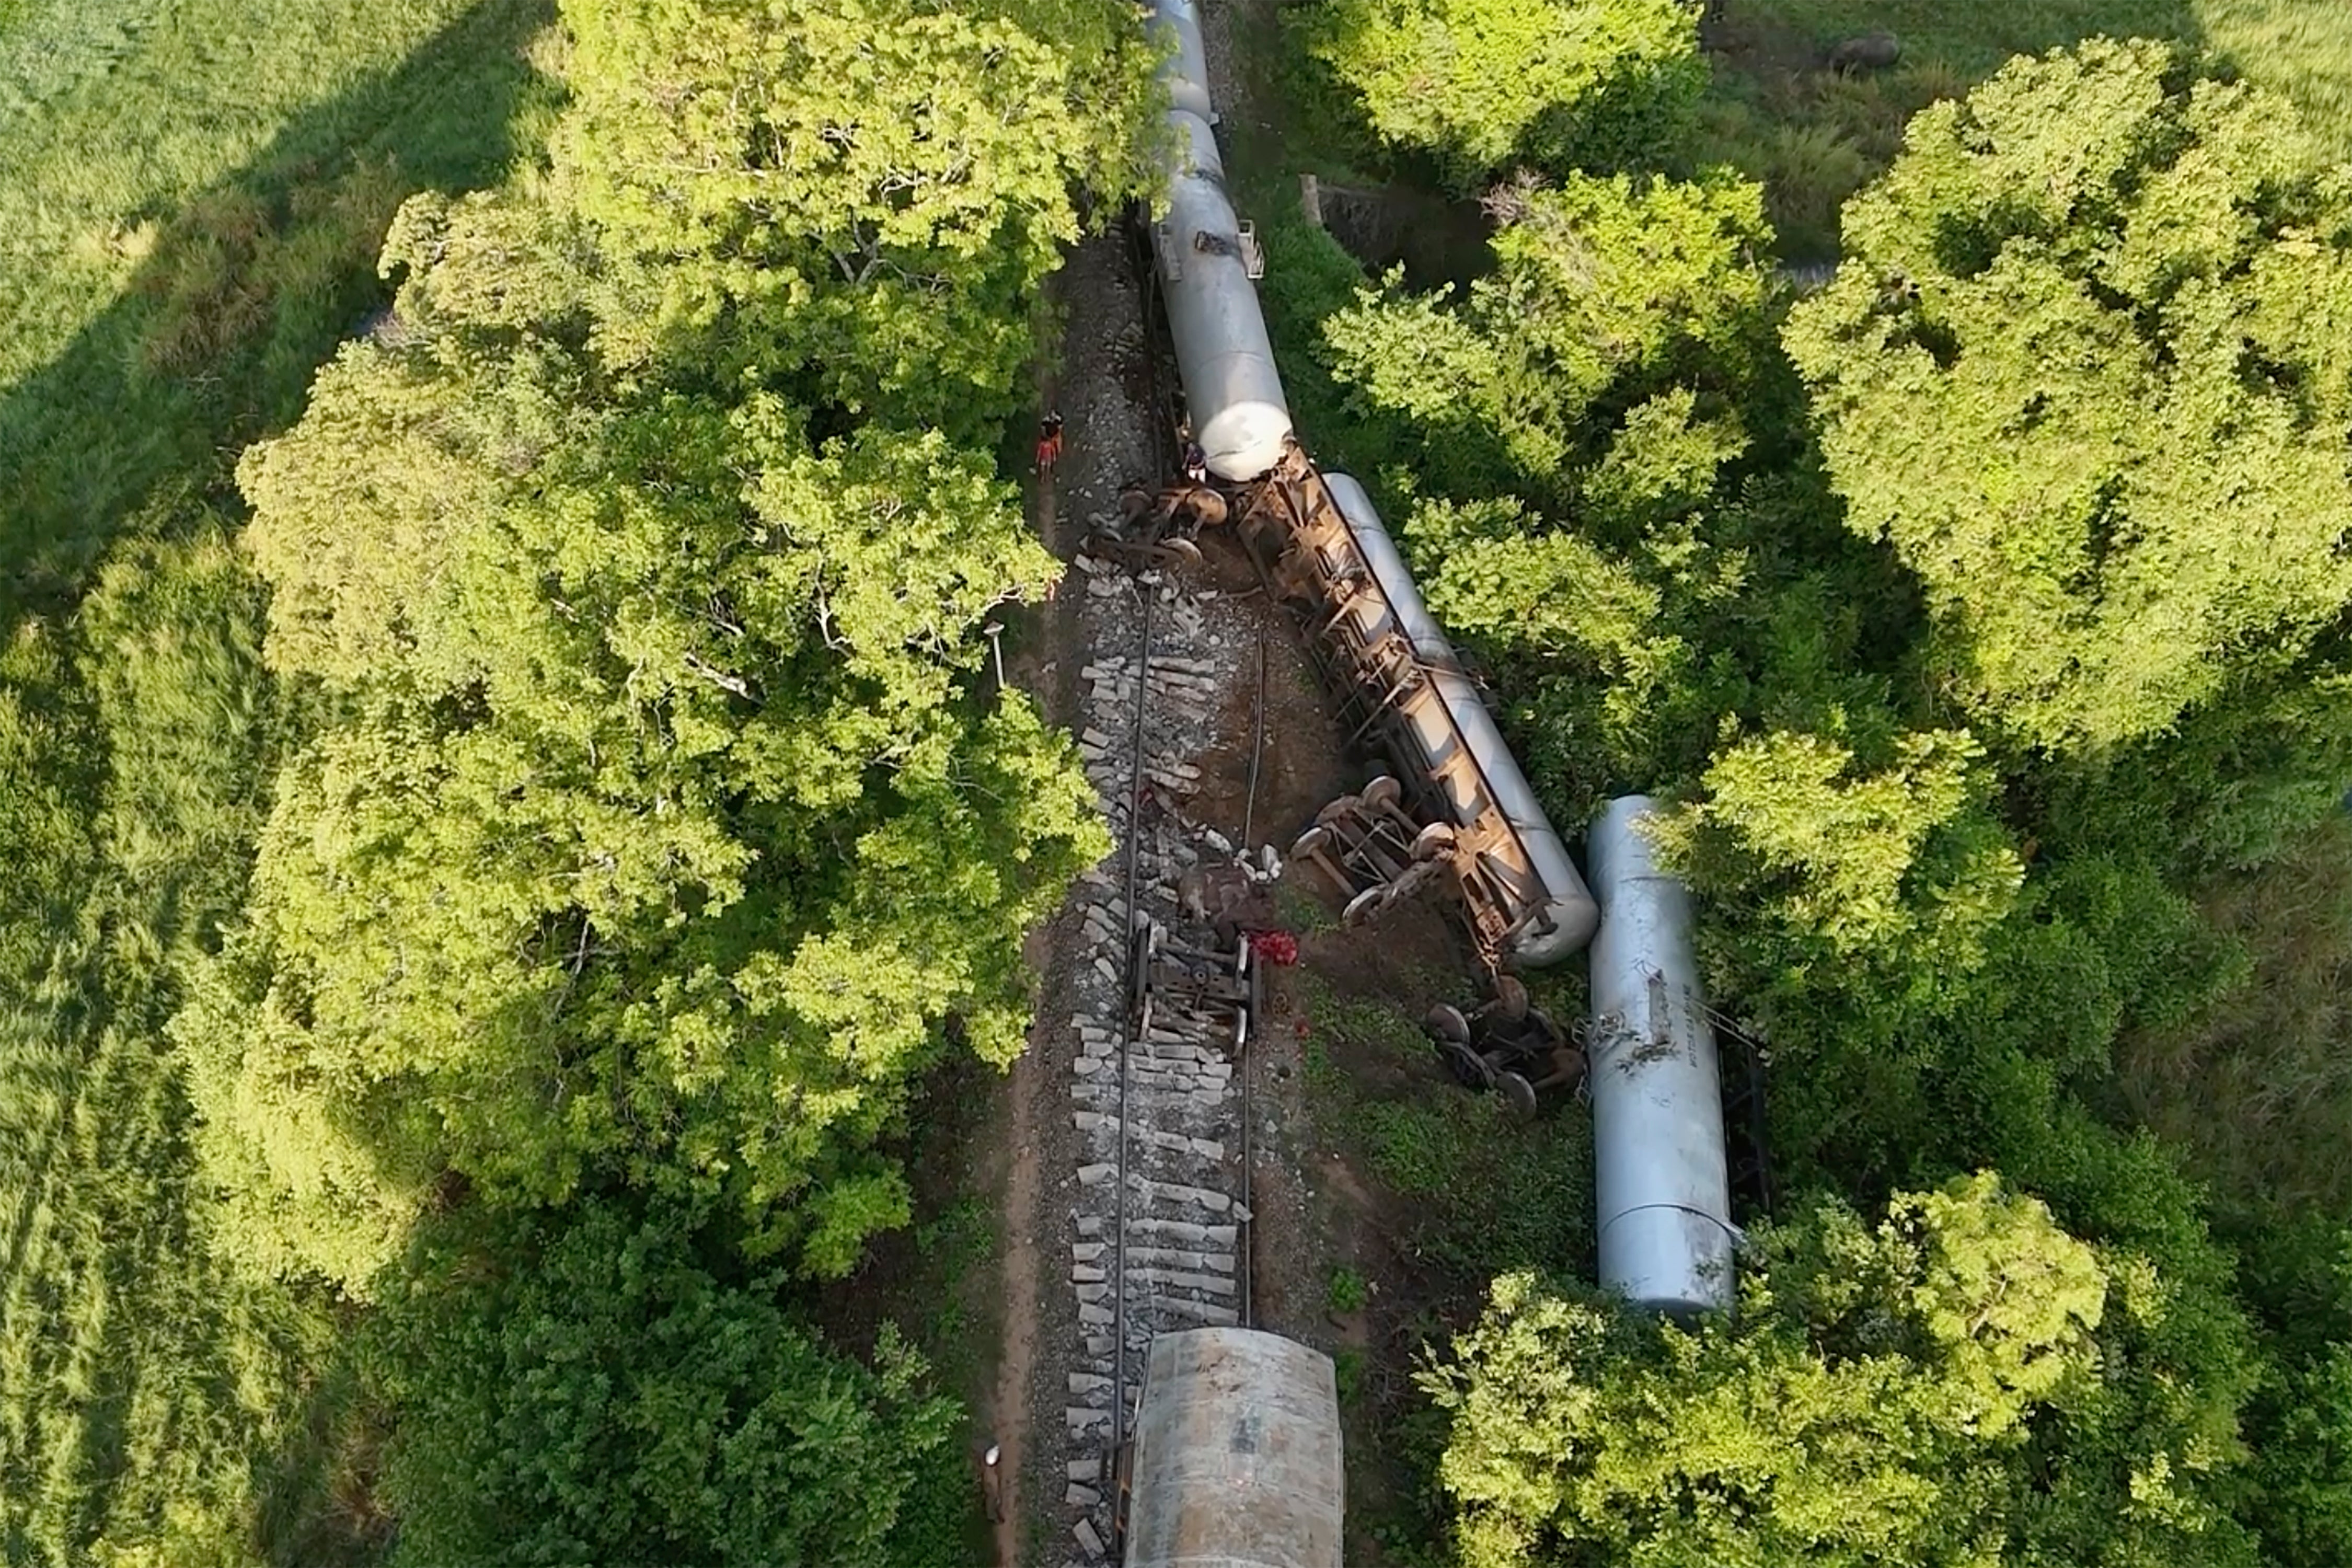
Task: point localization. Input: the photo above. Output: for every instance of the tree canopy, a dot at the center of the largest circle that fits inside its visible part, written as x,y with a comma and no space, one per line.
656,825
1947,1386
2085,366
1559,83
581,1389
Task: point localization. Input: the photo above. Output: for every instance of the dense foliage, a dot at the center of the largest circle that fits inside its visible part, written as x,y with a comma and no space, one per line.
1975,611
2084,368
1564,83
571,807
580,1389
1957,1384
652,827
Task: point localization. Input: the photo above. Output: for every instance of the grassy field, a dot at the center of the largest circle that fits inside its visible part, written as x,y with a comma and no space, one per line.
2259,1090
1815,137
189,214
190,204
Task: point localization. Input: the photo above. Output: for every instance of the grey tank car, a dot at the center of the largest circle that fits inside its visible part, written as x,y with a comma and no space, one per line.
1238,1457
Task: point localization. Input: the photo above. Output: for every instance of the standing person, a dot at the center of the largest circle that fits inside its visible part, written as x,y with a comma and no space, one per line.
1049,441
992,1484
1196,463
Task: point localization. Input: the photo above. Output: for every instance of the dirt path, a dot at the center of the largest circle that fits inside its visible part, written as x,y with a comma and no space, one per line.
1016,1366
1020,1217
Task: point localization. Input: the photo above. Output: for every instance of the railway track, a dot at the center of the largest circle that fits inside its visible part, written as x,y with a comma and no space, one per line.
1167,1001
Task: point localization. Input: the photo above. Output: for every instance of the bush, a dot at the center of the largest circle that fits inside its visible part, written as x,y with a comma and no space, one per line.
1563,84
578,1387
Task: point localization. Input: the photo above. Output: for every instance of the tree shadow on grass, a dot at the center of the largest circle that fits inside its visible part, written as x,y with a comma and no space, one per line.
131,433
239,296
1813,137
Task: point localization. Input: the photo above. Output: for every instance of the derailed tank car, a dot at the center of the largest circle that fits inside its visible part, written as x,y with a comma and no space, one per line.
1237,1462
1475,815
1660,1167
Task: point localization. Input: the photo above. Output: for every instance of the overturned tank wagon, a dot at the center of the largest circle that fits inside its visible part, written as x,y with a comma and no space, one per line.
1660,1167
1327,554
1237,1461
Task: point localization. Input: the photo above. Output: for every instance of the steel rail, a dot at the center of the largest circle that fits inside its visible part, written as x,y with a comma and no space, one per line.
1137,975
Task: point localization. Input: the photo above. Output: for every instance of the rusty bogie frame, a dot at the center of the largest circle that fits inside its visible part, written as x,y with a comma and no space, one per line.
1155,530
1509,1046
1442,825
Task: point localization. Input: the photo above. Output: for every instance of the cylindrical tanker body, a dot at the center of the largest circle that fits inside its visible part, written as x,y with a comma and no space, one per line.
1664,1194
1186,72
1237,1455
1458,719
1233,391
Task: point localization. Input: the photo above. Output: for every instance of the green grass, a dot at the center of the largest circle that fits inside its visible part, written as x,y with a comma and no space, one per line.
1486,1193
1350,1292
190,210
2258,1089
941,1521
191,203
1815,137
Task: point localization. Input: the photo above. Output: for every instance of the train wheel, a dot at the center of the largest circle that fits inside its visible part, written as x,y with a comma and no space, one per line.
1510,997
1209,508
1308,842
1361,907
1433,841
1382,793
1518,1093
1446,1021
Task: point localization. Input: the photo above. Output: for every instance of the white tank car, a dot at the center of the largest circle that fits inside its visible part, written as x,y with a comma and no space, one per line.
1232,390
1663,1191
1568,911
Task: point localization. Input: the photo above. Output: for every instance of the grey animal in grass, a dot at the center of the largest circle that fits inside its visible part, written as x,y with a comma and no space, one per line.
1872,51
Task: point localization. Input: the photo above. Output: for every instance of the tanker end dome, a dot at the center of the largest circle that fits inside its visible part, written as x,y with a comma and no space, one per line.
1660,1174
1243,439
1569,914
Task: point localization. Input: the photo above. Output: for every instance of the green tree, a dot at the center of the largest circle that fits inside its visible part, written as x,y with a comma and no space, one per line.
1605,293
1930,1390
656,825
1900,862
578,1388
1594,84
2085,366
860,196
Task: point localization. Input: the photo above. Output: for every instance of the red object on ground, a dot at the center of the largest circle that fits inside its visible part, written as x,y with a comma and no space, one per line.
1275,947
